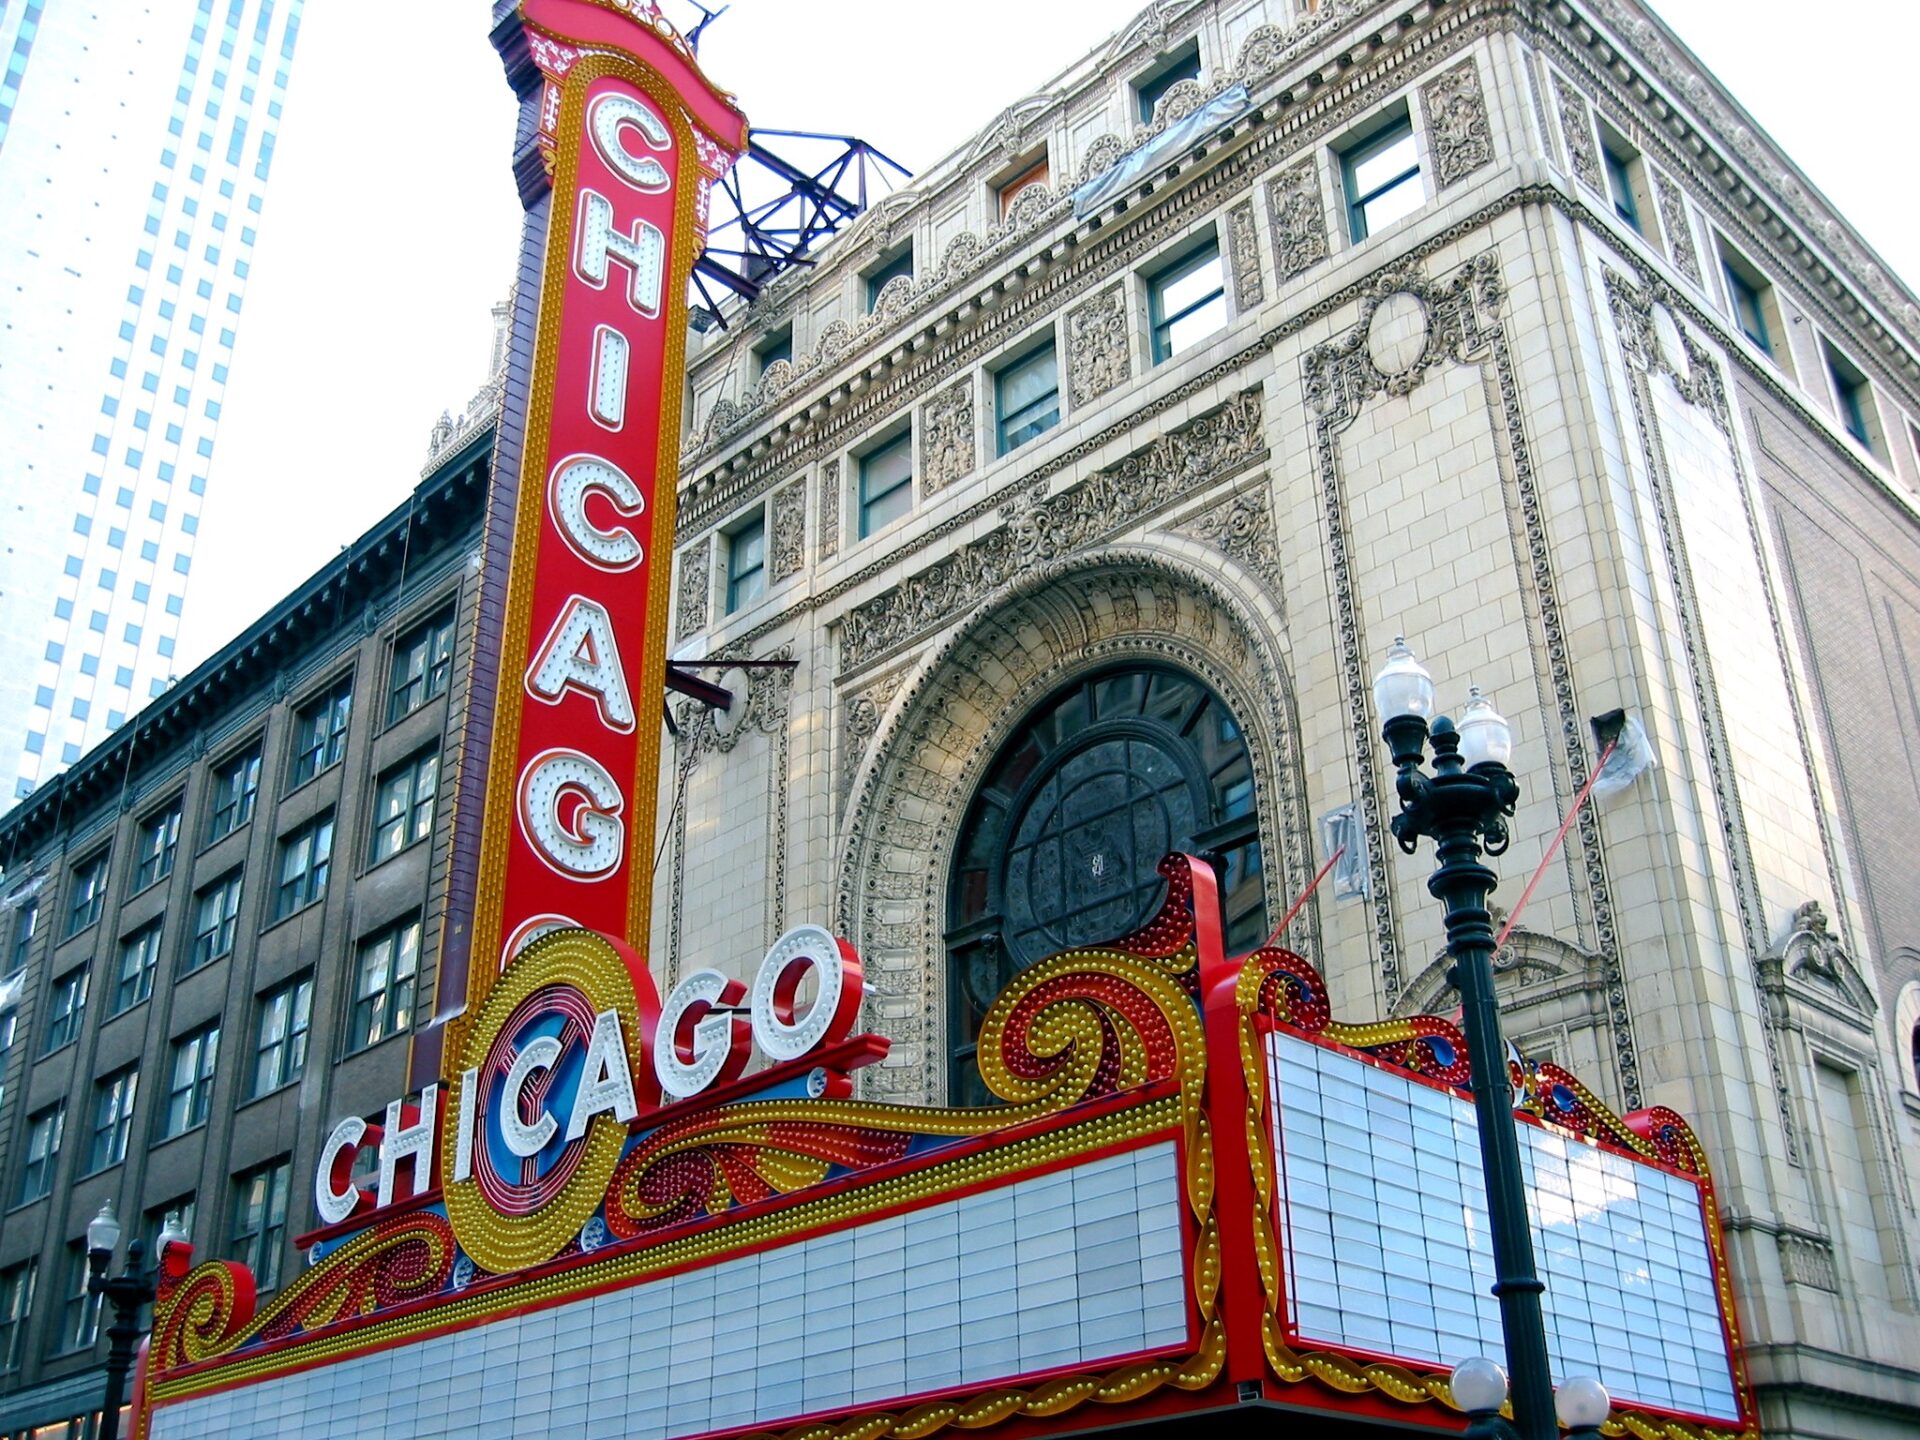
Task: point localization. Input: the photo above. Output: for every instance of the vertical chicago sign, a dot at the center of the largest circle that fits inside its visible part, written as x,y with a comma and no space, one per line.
628,136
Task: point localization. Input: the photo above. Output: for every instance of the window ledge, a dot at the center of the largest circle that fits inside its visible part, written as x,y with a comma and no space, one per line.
90,1174
63,1045
386,860
373,1045
224,836
318,775
273,925
114,1015
181,1134
19,1205
279,1089
159,879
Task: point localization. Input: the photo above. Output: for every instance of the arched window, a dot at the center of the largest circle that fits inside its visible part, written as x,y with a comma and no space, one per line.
1060,844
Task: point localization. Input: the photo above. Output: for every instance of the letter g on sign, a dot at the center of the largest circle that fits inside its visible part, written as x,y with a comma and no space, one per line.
570,814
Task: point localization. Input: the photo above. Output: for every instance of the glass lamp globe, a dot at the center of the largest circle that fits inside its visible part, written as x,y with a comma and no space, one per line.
1479,1386
1485,736
1582,1400
172,1233
103,1231
1403,686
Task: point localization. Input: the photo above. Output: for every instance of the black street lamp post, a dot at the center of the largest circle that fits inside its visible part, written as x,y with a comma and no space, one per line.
129,1292
1463,807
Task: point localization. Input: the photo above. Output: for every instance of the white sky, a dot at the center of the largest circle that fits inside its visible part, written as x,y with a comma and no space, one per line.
391,226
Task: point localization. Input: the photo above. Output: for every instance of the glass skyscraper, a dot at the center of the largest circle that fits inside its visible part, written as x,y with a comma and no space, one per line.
136,143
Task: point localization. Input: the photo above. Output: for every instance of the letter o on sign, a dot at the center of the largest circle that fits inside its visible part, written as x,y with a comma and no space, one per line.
804,950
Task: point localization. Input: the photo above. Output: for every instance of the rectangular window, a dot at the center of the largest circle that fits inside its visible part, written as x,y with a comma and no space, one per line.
403,806
280,1043
159,839
25,921
236,785
1027,397
89,895
306,859
901,264
66,1009
320,733
190,1084
383,984
139,958
1382,178
260,1220
113,1097
216,912
1853,393
179,1211
41,1151
1187,301
1621,162
747,563
886,484
1035,174
422,666
1149,92
16,1303
1752,300
775,347
79,1307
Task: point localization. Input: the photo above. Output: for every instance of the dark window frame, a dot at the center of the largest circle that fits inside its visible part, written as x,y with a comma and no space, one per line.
67,1007
308,885
280,1058
87,891
1150,89
259,1231
1390,129
378,1013
894,266
215,942
1160,323
148,938
320,729
157,847
746,582
16,1306
421,670
190,1098
37,1171
877,507
114,1097
413,821
1041,413
26,923
235,793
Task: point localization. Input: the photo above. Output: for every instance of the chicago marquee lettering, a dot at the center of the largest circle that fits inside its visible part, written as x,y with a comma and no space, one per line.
700,1040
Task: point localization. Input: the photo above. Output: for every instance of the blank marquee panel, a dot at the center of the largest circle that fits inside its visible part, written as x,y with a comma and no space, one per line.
1086,1265
1385,1226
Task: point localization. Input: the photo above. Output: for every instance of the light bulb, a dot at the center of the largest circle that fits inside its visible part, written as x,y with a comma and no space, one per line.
1479,1386
1403,686
103,1231
1485,736
1582,1400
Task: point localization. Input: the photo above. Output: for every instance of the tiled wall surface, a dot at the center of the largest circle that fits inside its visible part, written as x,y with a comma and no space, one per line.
1080,1265
1385,1226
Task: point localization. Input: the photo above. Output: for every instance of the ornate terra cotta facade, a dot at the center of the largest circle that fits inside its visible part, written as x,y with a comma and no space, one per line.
1619,415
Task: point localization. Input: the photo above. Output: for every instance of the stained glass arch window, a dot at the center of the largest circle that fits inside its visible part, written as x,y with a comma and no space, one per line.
1060,843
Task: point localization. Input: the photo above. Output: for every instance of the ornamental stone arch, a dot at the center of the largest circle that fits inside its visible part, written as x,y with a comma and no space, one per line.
937,735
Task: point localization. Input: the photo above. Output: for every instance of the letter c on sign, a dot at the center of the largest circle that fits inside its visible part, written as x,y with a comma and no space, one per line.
585,841
694,1048
574,479
607,119
335,1196
781,1034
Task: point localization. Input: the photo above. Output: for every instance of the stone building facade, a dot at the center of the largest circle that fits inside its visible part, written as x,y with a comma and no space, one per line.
219,928
1498,325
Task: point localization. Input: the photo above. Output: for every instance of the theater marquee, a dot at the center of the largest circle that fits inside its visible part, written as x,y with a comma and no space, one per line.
1198,1193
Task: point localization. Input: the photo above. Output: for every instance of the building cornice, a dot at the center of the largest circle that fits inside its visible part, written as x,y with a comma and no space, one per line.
442,505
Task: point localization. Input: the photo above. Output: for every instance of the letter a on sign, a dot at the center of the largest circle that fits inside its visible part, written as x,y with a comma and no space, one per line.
624,137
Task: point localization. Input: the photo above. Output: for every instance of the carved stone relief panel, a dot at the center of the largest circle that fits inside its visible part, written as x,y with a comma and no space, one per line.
787,549
1039,528
1099,346
1242,528
1576,130
695,583
1673,220
1297,218
946,438
1243,248
1458,135
829,538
